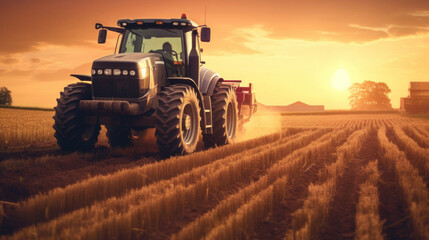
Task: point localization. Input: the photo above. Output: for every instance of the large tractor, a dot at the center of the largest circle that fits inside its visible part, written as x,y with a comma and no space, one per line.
154,80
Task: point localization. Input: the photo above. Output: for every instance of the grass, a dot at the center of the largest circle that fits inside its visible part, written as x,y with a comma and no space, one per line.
26,108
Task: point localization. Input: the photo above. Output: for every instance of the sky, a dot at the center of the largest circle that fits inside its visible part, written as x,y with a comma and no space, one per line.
290,50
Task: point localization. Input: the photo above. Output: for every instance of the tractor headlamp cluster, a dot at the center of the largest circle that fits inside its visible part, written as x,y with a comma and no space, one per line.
114,72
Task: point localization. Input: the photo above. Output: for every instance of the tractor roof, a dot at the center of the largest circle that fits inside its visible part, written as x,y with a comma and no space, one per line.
167,23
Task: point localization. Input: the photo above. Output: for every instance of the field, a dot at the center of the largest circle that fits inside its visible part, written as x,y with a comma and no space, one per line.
360,176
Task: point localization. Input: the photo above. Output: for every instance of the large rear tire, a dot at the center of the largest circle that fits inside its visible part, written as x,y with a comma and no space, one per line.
178,120
225,117
70,130
119,136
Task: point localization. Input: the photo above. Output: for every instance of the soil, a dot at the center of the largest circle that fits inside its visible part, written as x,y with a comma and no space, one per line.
341,222
393,208
275,225
62,170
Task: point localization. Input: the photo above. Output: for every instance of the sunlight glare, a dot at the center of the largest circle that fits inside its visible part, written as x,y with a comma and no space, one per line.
341,80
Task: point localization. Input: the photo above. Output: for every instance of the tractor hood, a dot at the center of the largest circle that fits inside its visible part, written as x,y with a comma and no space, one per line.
125,75
126,60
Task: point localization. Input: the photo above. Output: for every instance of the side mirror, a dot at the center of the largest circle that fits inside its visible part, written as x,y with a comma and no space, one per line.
205,34
102,36
98,26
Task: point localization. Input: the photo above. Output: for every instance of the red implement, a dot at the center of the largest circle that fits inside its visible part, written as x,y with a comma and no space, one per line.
245,98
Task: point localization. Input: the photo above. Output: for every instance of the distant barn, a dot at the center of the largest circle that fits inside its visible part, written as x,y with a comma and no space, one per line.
418,98
294,107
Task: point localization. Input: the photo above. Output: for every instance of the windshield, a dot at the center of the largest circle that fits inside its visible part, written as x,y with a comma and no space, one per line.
167,42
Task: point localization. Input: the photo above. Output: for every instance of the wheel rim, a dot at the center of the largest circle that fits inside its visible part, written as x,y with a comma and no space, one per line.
231,120
189,124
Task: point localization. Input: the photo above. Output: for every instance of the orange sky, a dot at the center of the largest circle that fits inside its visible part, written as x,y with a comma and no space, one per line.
290,50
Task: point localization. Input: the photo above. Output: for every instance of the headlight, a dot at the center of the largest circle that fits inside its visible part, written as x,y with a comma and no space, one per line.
132,73
107,71
125,72
143,72
116,72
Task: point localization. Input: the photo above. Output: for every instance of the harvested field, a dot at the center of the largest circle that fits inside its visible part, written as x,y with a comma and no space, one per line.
359,176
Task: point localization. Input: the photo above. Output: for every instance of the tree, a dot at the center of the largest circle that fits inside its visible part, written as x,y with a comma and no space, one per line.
370,95
5,97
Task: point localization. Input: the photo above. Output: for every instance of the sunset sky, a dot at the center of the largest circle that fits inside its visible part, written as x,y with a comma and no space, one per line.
290,50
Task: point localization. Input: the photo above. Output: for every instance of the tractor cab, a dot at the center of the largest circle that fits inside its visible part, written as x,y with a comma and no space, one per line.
176,40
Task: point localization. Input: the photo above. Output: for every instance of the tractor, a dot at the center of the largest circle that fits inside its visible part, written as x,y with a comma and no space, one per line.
154,79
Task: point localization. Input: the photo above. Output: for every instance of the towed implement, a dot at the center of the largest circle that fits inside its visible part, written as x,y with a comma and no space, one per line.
154,80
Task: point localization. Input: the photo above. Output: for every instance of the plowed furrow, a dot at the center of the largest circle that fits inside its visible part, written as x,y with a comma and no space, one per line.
236,215
166,192
412,190
340,223
309,221
45,207
417,155
275,224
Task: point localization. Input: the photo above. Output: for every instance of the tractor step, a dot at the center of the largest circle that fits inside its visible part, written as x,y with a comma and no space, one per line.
208,114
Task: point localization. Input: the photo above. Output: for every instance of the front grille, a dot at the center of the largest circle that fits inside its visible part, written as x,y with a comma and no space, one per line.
115,87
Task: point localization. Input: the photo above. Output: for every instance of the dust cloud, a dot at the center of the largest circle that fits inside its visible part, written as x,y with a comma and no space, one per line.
261,123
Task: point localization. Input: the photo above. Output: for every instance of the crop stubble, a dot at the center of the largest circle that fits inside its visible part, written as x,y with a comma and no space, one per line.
320,177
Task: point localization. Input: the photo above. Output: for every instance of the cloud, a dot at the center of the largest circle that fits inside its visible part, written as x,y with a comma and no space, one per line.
35,60
406,31
7,60
70,23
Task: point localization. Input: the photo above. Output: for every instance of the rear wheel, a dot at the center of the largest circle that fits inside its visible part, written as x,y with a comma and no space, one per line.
178,120
119,136
225,117
70,130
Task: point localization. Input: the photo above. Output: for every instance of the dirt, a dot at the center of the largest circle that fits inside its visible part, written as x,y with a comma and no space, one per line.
28,153
393,208
62,170
275,225
168,229
341,223
410,157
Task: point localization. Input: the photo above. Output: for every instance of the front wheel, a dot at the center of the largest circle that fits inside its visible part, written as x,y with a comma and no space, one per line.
70,130
178,120
225,117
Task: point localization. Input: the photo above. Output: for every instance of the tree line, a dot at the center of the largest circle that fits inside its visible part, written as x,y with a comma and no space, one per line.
370,95
5,96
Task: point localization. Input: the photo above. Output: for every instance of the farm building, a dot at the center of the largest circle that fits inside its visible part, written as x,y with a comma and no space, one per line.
294,107
418,98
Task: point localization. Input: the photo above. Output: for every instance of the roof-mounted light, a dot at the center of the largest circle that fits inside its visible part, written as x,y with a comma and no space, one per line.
183,24
184,16
159,22
175,23
139,22
124,24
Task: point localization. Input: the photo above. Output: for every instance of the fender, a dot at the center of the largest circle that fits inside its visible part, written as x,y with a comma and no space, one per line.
190,82
82,77
208,81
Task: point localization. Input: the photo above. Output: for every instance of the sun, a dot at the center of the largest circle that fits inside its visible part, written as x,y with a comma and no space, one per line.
341,79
